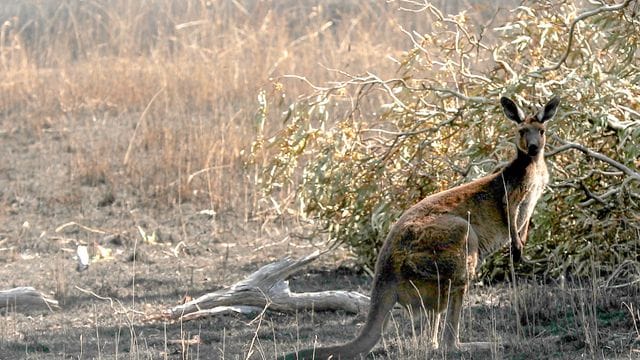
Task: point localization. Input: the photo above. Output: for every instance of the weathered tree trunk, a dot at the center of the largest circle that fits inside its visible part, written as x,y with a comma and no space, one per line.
23,299
267,288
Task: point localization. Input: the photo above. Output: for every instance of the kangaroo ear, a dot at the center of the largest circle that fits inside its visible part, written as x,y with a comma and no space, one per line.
549,110
511,110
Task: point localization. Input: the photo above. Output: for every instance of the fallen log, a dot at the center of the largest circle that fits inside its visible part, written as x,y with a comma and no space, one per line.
24,299
267,288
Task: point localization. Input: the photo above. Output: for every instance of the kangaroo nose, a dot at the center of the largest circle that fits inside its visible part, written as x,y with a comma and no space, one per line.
533,148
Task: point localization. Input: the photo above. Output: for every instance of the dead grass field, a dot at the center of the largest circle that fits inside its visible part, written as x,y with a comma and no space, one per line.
117,117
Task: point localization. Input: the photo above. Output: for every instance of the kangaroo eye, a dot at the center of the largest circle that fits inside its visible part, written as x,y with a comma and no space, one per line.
541,131
522,131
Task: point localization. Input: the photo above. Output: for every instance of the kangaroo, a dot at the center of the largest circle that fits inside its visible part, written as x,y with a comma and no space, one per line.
431,252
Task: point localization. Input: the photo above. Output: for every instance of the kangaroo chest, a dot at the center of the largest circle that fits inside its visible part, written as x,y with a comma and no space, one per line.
530,192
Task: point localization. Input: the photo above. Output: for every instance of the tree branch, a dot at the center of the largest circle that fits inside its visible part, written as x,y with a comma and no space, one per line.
594,154
573,28
476,99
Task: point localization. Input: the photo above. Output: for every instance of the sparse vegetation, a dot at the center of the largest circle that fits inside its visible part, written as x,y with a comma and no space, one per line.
123,118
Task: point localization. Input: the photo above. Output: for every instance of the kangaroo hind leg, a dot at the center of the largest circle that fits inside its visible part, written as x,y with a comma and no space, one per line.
451,336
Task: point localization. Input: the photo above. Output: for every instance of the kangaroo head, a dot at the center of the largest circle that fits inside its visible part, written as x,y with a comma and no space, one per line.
530,139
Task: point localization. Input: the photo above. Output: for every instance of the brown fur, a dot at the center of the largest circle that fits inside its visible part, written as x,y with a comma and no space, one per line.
432,251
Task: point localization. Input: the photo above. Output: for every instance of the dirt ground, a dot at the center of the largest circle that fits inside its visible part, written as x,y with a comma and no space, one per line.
110,311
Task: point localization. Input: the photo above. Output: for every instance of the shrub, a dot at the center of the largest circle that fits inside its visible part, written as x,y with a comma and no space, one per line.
353,170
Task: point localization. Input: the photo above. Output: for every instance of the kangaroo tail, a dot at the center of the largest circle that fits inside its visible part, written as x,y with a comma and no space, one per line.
382,301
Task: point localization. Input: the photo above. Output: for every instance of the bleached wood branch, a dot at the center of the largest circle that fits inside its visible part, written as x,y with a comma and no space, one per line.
267,287
22,299
594,154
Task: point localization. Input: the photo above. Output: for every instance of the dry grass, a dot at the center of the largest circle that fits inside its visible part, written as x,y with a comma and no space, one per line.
174,84
577,321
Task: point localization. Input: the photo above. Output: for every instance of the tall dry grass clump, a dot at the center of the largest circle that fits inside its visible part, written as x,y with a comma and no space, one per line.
158,98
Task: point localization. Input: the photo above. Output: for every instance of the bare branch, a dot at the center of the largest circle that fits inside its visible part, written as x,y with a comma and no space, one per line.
591,196
305,80
594,154
476,99
389,91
